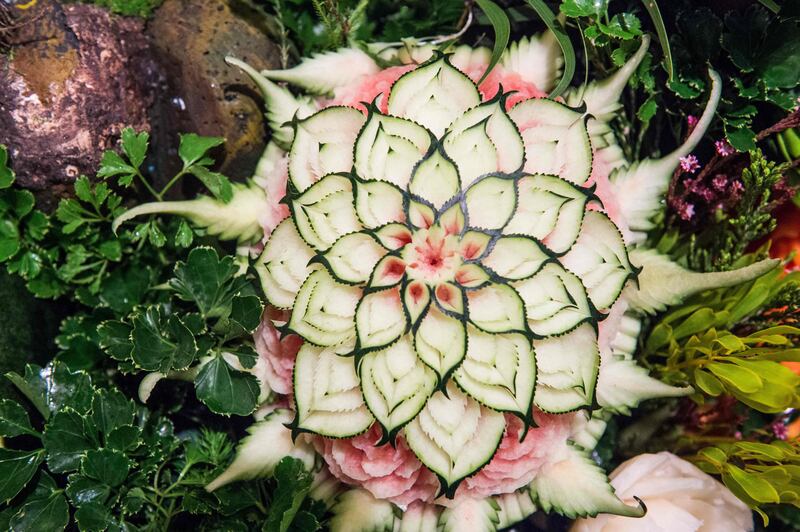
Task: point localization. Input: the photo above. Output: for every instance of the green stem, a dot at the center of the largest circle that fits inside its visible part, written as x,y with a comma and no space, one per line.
169,185
147,185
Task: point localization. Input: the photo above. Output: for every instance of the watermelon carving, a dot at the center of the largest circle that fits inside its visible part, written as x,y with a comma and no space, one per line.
464,267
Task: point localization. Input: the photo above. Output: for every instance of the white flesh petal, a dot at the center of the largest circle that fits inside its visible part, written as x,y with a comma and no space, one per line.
352,258
566,370
283,265
537,60
491,202
454,435
267,442
515,257
435,179
327,394
473,515
433,95
388,148
357,510
575,486
556,139
484,140
378,203
550,210
622,385
323,144
396,384
440,341
555,300
496,308
600,259
499,371
380,319
282,106
325,212
324,311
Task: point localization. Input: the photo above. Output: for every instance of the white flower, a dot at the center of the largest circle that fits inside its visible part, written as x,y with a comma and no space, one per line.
679,498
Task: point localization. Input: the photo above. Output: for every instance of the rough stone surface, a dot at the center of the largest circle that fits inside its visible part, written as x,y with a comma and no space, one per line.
206,95
75,78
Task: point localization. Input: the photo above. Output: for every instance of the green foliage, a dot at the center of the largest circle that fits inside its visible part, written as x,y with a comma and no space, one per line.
318,25
697,343
723,240
112,465
757,473
502,29
203,330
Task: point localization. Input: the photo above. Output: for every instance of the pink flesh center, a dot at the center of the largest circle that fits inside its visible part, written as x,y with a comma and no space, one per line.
432,256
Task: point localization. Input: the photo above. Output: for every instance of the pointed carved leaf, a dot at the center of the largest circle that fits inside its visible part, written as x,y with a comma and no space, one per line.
352,258
499,371
380,319
435,179
484,140
388,148
323,144
556,139
440,342
325,212
555,301
566,370
327,394
496,308
550,210
396,384
324,311
282,266
378,203
600,259
491,203
516,257
433,95
454,436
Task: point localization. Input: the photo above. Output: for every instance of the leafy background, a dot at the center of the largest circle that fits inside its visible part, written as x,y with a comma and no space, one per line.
81,451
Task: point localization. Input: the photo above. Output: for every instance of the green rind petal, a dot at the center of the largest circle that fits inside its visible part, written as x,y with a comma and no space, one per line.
433,95
454,436
323,144
327,395
396,384
324,311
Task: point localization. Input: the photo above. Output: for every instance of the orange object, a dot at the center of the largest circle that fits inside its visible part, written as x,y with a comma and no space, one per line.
786,236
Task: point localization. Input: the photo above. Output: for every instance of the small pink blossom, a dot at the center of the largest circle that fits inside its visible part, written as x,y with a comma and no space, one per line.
686,211
779,430
689,164
390,473
691,121
369,88
720,182
724,148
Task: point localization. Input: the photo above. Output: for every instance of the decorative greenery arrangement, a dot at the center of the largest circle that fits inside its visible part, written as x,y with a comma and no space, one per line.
157,370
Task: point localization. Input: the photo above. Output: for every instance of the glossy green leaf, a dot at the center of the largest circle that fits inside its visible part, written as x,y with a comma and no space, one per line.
161,343
737,377
708,383
14,419
552,23
16,470
111,409
135,145
225,390
45,509
193,148
66,439
6,174
502,30
109,466
756,487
